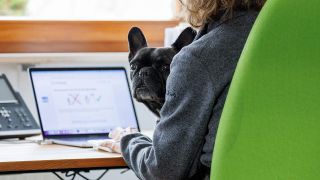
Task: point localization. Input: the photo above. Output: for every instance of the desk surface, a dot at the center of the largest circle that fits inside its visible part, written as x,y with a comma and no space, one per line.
31,157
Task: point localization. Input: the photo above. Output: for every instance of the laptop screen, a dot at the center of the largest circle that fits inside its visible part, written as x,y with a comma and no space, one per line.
82,101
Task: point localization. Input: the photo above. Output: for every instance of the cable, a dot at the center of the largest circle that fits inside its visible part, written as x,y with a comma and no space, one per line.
73,174
57,175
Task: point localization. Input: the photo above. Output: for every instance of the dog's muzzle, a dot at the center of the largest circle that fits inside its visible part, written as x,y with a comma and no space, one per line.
147,85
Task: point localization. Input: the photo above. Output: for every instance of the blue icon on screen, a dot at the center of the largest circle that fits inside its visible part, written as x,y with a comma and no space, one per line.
45,99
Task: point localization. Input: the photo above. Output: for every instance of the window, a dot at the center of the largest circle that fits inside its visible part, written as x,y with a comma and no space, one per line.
88,9
31,26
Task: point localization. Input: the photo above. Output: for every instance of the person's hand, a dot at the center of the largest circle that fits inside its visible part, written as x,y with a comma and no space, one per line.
113,145
116,135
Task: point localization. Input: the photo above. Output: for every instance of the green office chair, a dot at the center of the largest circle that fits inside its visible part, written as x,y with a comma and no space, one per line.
270,125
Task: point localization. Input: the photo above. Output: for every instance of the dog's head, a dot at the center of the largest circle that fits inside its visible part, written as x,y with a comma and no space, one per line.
150,67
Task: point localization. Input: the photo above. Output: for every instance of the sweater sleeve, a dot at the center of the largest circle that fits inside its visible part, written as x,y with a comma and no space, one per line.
179,136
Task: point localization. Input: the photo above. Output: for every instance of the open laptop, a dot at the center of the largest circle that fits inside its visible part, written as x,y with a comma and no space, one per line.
76,105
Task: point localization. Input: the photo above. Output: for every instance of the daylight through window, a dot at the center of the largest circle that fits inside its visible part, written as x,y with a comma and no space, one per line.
88,9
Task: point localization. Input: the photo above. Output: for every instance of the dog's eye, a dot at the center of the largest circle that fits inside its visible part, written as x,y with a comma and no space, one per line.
133,67
165,68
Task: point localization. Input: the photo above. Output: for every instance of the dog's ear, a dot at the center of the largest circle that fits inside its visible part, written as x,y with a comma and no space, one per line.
185,38
136,41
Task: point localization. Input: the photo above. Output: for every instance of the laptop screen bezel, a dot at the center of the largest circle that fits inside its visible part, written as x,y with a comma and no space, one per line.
48,69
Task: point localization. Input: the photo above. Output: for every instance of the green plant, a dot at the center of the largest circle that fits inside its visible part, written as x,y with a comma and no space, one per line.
12,7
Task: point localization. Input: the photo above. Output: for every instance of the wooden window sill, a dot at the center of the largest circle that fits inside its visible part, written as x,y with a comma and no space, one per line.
24,36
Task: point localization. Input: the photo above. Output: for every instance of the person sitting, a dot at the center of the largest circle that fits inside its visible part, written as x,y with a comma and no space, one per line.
196,89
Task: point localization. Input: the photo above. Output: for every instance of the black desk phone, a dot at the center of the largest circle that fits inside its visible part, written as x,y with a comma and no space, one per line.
16,121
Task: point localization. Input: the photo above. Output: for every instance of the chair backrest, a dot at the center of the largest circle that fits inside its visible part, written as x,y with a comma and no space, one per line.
270,125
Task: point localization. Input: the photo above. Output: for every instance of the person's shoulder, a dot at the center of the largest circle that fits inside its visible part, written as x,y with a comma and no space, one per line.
198,51
221,37
194,51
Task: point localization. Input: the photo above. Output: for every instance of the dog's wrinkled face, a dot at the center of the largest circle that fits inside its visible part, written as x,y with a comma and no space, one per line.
150,67
149,72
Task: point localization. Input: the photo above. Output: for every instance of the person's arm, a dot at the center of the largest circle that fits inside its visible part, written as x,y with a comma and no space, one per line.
179,136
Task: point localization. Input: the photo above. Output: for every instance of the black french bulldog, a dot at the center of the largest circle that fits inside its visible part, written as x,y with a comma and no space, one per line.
150,67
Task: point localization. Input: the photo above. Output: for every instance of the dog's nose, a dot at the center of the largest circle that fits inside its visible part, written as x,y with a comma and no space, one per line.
143,73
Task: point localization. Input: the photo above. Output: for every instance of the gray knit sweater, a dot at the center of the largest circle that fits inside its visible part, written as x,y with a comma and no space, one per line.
195,93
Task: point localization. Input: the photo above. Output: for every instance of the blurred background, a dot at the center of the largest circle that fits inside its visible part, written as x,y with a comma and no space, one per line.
24,31
88,9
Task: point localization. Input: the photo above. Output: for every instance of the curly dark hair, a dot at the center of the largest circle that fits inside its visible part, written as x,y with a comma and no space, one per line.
199,12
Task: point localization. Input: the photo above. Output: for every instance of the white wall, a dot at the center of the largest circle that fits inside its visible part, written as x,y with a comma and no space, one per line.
11,65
